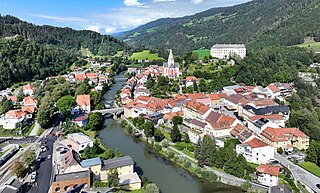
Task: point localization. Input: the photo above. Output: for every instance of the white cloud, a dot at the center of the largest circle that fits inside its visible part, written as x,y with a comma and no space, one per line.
133,3
129,17
196,2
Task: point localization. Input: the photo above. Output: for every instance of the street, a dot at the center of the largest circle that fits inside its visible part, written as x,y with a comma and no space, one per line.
299,173
45,169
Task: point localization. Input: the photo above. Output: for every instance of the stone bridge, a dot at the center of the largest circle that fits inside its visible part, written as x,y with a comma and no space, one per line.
109,111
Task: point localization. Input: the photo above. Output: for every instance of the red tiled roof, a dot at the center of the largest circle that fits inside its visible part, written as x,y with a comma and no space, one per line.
268,169
273,88
217,96
29,109
170,115
282,134
191,78
264,102
28,86
267,117
256,143
29,100
219,121
196,106
81,118
238,129
15,114
83,100
12,98
198,123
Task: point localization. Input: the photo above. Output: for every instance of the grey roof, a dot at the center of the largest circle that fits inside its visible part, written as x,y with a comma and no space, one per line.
268,110
129,179
198,123
280,189
117,162
70,176
8,189
176,65
222,46
90,162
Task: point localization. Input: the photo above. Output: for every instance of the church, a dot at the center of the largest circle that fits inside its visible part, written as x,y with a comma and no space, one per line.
170,68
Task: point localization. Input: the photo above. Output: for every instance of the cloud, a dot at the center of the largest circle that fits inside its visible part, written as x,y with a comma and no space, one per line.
196,2
133,3
157,1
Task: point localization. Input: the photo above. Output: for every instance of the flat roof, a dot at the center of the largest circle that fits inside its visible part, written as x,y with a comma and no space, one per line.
80,138
70,176
90,162
129,179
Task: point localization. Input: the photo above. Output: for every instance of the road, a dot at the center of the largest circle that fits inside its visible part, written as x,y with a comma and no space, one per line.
35,129
45,169
299,173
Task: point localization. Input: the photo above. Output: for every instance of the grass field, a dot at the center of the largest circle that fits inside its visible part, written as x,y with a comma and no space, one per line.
314,46
144,55
202,53
311,167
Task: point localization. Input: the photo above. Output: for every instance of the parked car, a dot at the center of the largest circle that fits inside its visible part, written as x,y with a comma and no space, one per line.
49,156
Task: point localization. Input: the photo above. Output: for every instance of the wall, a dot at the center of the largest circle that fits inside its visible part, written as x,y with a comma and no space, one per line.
71,183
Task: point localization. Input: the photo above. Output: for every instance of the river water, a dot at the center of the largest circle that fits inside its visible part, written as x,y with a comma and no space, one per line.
169,178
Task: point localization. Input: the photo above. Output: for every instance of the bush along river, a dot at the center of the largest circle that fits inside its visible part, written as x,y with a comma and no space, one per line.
169,177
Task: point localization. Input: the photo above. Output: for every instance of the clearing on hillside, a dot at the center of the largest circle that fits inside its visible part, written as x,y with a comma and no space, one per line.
144,55
202,53
315,46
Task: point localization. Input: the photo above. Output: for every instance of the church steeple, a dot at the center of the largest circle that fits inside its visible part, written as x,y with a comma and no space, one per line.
170,59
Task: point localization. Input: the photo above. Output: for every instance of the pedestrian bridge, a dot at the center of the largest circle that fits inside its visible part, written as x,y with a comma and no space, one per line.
110,111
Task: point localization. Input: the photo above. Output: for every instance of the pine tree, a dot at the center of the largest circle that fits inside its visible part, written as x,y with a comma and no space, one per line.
175,134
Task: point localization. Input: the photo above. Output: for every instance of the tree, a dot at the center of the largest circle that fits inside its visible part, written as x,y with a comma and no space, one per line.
89,152
138,121
313,152
205,150
96,100
113,178
19,169
84,88
66,103
202,85
46,112
177,120
158,136
195,86
95,121
175,134
186,138
29,157
148,129
6,105
152,188
20,95
280,150
163,81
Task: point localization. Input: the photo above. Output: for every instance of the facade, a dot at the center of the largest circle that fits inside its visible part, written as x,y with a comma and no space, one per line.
79,141
170,68
28,90
195,110
13,119
83,102
224,51
268,175
256,151
69,181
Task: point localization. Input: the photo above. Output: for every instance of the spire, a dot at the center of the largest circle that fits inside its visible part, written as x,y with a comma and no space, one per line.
170,59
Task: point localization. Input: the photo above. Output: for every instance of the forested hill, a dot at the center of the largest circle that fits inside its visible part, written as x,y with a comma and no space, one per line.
24,60
66,38
257,23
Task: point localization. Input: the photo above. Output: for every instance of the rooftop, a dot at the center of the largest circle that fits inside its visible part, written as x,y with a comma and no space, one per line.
70,176
256,143
90,162
234,46
117,162
129,179
268,169
80,138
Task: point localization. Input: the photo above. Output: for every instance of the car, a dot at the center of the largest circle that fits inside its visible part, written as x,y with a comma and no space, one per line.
34,174
318,186
49,156
38,159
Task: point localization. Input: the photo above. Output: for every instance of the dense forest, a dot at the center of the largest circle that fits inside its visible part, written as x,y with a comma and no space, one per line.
258,23
24,60
66,38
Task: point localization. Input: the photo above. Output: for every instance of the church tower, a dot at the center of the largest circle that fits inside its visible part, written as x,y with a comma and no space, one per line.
170,68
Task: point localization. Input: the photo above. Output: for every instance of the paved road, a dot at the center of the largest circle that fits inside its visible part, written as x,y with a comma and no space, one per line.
45,170
299,173
35,129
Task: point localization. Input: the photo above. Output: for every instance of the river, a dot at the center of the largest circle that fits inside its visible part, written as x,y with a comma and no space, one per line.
168,177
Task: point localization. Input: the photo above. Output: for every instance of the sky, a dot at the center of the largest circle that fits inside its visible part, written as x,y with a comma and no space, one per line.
104,16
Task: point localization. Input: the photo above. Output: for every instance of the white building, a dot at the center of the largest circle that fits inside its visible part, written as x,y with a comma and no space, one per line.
268,175
256,151
224,51
79,141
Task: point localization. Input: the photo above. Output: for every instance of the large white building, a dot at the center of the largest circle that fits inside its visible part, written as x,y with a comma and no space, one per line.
224,51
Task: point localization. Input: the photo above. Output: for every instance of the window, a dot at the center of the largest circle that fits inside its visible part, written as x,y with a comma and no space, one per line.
58,189
74,186
66,188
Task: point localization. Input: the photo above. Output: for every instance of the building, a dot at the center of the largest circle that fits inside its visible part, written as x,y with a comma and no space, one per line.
13,119
190,80
83,102
242,133
79,141
28,89
195,110
170,68
68,181
29,101
280,189
13,185
225,51
268,175
286,138
81,121
256,151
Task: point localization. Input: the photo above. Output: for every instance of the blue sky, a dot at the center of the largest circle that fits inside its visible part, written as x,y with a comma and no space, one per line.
104,16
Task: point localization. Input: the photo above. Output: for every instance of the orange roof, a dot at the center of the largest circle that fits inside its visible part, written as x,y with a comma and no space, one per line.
29,109
143,98
29,100
273,88
264,102
217,96
196,106
15,114
191,78
268,169
91,75
256,143
80,77
282,134
28,86
180,97
219,121
12,98
170,115
83,100
237,129
268,117
196,96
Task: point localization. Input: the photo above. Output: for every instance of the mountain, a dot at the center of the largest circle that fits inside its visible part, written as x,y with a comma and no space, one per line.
257,23
66,38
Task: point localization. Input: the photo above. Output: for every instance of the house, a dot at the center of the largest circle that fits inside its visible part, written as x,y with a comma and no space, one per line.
195,110
94,165
81,121
190,80
257,126
242,133
234,102
130,181
273,90
196,130
268,175
28,89
286,138
13,185
256,151
216,97
225,51
29,101
280,189
29,110
219,125
83,101
195,135
249,111
13,119
79,141
70,162
67,181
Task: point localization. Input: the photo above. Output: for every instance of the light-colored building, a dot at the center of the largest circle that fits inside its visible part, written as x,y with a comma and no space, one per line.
13,119
171,68
225,51
79,141
268,175
83,102
28,89
256,151
195,110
